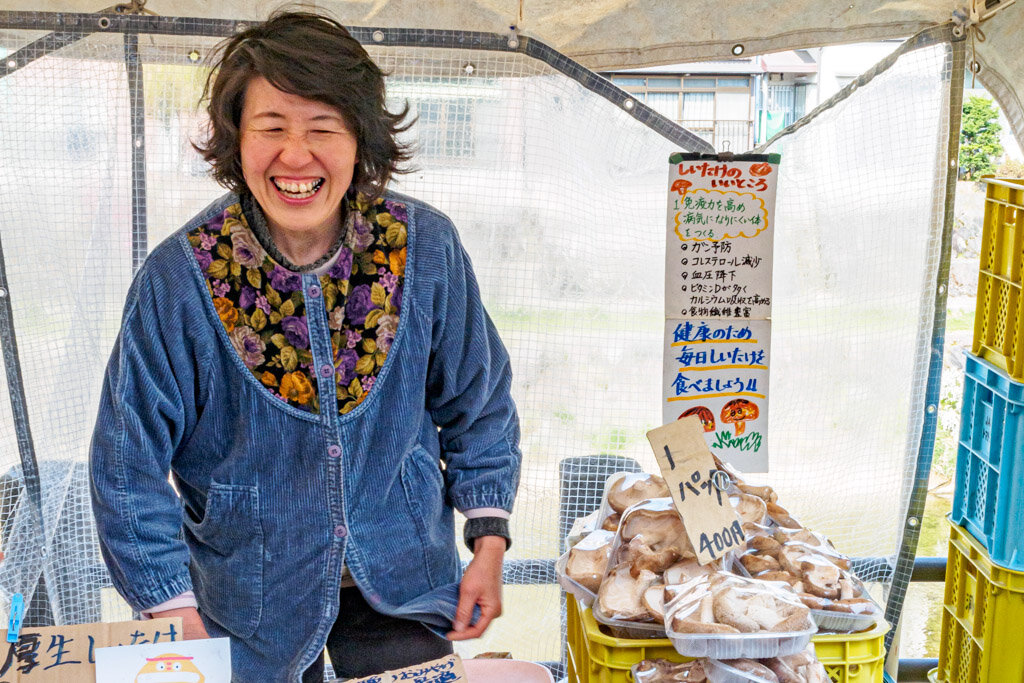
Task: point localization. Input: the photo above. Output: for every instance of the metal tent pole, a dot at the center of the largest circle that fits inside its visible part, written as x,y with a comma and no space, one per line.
16,391
136,99
922,468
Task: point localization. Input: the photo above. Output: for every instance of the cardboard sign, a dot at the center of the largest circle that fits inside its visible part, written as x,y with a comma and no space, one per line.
67,654
718,370
445,670
698,488
186,661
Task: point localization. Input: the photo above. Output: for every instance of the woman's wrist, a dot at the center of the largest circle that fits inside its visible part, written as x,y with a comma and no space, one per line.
489,544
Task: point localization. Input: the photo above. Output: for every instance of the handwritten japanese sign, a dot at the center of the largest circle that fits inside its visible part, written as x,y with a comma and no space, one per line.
697,488
719,239
191,661
718,371
67,654
718,300
445,670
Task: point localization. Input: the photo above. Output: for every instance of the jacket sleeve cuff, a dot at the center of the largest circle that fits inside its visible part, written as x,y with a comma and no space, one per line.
186,599
486,526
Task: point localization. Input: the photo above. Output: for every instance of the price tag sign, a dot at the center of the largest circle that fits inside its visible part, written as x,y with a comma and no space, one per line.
698,488
445,670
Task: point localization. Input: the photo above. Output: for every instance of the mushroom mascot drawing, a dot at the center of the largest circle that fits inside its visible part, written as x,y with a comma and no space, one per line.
738,411
170,668
707,418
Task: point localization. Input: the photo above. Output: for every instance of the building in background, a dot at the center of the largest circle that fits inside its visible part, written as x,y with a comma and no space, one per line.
739,103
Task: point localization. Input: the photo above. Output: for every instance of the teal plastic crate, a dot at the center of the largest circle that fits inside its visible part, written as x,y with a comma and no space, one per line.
989,499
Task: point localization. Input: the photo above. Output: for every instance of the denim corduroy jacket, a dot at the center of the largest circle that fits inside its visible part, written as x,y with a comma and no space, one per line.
300,439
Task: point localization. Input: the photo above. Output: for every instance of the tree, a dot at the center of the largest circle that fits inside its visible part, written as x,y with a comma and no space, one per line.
979,138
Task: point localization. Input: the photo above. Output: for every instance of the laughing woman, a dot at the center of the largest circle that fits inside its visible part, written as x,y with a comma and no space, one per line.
310,361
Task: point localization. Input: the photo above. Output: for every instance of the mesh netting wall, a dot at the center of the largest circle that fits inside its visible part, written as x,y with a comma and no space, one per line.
858,251
559,196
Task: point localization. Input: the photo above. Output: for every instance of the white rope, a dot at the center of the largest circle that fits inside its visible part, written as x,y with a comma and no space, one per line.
967,22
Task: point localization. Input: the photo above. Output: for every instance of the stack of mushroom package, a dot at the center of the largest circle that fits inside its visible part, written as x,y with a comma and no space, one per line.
752,612
802,667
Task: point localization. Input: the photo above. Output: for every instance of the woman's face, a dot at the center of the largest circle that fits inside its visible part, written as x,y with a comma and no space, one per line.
298,158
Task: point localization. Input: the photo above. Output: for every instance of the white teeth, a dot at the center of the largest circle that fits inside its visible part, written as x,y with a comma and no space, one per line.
299,190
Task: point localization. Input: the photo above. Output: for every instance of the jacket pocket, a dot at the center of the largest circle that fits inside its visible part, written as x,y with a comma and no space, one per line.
227,558
424,489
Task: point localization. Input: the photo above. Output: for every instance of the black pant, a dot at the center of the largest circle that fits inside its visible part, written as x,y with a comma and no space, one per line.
364,642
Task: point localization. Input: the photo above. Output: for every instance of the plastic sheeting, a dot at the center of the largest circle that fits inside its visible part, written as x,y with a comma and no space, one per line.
604,35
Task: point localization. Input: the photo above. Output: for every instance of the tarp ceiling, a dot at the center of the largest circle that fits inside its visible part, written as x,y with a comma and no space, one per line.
611,34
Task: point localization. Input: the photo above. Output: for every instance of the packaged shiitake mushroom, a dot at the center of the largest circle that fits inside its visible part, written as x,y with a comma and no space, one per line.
650,556
651,539
581,569
624,489
802,667
817,573
726,616
664,671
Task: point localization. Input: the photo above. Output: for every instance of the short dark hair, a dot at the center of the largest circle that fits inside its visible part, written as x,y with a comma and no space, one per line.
315,57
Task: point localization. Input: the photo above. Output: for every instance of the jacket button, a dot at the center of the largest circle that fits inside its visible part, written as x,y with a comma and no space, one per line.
334,450
326,370
340,531
314,291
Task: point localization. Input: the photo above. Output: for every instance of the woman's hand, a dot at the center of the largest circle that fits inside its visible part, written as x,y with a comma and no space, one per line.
191,623
481,585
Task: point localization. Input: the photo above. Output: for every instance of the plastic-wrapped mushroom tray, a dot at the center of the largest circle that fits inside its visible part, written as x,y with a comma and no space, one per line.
720,672
742,605
834,621
641,676
845,622
623,628
741,645
572,587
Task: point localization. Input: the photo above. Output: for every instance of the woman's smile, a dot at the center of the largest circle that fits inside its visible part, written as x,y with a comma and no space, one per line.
296,191
298,160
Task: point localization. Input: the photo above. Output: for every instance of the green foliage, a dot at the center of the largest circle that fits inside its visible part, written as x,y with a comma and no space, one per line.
1011,168
612,440
979,138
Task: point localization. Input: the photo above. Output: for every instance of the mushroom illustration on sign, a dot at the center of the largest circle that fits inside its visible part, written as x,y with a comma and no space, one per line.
170,668
738,411
707,418
681,186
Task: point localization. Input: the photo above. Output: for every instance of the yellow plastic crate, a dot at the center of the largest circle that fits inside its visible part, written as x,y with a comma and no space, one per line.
595,657
999,313
853,657
982,616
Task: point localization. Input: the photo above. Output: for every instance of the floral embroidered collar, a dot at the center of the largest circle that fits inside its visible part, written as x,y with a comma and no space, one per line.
263,309
257,222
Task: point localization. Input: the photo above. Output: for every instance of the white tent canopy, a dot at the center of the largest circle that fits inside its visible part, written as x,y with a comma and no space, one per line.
614,34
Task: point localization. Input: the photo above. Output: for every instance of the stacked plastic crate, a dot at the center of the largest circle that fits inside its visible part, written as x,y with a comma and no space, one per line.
983,613
596,657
